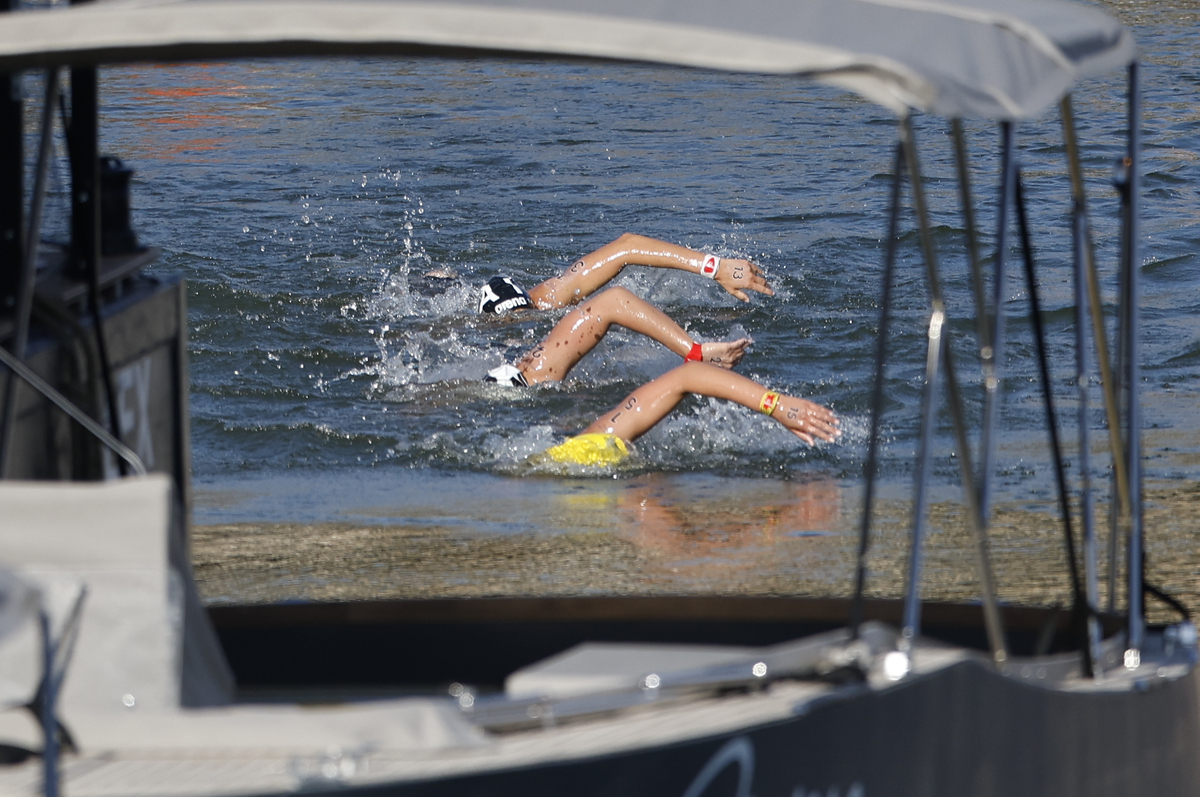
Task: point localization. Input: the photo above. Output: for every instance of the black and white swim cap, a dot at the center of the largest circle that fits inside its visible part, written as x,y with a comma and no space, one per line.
506,375
501,294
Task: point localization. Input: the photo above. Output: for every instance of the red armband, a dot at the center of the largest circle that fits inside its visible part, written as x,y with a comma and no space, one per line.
696,355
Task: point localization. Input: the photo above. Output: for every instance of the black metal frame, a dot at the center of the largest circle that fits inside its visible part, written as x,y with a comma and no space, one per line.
19,242
938,357
881,337
1131,266
27,275
12,176
1120,387
1079,602
56,658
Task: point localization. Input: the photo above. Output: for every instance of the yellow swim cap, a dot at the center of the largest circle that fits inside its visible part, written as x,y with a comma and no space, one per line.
597,450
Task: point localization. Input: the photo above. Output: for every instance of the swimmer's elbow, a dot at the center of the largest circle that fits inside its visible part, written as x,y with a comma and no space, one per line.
545,296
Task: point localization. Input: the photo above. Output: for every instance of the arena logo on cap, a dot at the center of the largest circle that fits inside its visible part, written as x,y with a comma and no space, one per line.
501,294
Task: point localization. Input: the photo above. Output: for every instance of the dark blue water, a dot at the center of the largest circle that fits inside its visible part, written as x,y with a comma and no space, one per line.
305,201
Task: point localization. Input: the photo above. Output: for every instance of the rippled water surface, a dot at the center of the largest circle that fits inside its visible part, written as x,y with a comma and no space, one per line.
305,202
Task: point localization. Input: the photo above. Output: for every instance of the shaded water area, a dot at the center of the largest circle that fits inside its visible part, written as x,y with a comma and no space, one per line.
344,446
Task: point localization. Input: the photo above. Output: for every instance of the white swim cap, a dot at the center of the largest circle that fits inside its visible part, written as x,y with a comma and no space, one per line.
506,375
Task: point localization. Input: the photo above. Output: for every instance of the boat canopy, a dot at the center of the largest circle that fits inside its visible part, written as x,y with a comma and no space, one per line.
996,59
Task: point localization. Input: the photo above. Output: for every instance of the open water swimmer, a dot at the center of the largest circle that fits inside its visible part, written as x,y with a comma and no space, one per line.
583,328
606,441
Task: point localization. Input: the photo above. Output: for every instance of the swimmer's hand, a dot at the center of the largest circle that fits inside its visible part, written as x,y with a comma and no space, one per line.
807,420
739,276
726,353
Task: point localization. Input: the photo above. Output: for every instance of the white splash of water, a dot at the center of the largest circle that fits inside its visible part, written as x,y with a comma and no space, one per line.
509,450
424,360
413,284
397,299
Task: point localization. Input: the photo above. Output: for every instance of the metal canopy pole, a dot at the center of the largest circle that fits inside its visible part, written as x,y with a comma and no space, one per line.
47,710
12,181
982,330
1111,402
1087,303
85,173
1131,267
1079,233
1039,337
991,385
83,138
56,657
975,520
938,354
28,274
987,360
912,600
1115,528
885,313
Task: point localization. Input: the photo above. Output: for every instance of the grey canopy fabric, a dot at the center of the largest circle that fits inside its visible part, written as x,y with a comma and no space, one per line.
999,59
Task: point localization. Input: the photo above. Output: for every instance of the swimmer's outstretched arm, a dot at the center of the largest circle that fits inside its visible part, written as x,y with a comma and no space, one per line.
593,271
651,402
581,329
